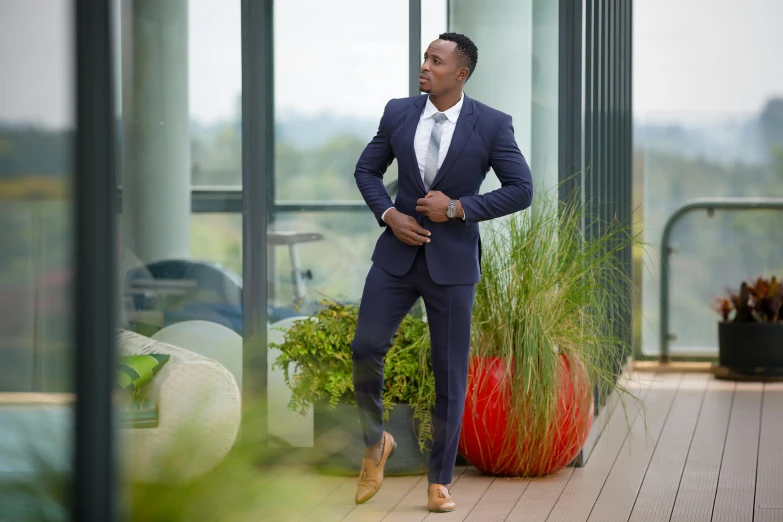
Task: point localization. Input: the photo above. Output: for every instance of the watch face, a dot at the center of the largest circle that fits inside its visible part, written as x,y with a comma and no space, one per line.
451,211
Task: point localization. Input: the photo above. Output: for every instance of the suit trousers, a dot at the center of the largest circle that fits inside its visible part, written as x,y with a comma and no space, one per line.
385,302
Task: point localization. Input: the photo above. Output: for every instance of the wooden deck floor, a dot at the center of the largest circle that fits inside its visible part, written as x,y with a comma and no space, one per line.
705,450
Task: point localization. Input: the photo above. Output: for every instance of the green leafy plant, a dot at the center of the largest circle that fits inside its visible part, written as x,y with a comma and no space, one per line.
316,358
756,301
550,290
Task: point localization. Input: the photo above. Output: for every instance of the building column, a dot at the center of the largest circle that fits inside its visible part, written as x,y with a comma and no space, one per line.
155,128
517,72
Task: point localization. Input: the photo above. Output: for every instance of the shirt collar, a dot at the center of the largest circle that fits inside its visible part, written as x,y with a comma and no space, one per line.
452,114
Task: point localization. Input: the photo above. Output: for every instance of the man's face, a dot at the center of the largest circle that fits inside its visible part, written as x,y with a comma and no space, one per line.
442,70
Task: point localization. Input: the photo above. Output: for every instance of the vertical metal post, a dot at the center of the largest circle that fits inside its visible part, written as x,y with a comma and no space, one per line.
414,46
589,157
257,169
94,486
570,99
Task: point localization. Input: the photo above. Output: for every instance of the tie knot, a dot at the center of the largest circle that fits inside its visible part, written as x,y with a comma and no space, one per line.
439,117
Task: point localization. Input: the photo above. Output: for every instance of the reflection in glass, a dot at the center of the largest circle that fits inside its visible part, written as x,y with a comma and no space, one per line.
36,269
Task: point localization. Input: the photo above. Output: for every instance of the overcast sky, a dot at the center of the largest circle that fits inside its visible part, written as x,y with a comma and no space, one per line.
348,57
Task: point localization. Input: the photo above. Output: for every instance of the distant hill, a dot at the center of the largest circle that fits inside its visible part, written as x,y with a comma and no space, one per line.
723,141
309,132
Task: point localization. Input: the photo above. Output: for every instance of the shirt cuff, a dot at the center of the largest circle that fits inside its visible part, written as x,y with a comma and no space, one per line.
383,216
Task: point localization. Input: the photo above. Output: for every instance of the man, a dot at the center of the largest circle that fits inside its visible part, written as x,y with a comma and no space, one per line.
444,143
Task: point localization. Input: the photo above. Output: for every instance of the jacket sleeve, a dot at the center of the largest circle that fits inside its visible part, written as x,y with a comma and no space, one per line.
371,167
516,180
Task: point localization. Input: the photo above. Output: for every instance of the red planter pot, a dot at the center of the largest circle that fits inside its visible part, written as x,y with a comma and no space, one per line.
484,440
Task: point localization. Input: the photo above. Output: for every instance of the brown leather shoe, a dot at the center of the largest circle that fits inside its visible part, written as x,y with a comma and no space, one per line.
371,476
439,500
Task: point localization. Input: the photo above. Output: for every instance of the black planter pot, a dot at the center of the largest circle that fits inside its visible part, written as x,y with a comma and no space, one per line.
339,445
751,349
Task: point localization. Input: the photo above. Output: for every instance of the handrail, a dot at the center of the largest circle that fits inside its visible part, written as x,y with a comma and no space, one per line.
228,199
710,205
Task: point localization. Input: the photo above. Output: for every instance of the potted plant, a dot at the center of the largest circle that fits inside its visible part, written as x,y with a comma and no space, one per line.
547,332
750,332
316,358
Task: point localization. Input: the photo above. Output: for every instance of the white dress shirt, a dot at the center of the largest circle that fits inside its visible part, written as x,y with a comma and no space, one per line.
421,141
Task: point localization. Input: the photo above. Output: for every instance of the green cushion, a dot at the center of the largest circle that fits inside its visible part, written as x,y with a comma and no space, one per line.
136,370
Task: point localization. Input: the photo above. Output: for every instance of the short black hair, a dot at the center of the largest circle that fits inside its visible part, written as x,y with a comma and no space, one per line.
465,47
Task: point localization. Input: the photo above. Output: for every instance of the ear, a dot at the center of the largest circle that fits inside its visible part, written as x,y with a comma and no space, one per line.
462,74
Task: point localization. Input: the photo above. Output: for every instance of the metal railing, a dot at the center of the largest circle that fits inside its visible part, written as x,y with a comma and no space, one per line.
219,199
710,205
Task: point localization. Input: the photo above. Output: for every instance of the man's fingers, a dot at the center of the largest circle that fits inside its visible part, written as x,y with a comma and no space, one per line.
419,238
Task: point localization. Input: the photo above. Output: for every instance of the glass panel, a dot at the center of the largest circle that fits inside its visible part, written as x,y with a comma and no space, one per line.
214,68
330,96
434,20
704,266
695,140
151,302
36,234
180,269
522,82
332,265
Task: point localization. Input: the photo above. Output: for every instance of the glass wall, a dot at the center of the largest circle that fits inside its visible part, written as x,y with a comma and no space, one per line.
330,90
36,270
178,65
707,123
179,91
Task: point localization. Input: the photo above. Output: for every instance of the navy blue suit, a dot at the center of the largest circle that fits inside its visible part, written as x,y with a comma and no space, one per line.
443,272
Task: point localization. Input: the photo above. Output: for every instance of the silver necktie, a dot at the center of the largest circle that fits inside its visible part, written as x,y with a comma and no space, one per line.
433,150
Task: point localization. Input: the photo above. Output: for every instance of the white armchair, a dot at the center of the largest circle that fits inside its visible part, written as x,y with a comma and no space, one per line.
199,414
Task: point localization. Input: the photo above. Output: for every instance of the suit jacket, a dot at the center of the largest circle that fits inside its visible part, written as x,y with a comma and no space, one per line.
483,138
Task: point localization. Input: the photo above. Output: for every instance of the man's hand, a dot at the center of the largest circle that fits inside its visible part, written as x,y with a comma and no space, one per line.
434,206
406,229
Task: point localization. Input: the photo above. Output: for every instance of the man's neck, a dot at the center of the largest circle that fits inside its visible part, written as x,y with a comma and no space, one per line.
445,102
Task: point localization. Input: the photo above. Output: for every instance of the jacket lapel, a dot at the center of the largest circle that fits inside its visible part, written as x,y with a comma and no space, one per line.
465,123
409,135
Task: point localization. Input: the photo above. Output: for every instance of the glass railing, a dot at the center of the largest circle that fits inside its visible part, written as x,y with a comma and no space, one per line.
686,155
709,247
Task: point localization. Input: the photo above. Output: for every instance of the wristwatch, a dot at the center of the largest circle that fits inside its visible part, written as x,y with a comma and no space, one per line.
451,210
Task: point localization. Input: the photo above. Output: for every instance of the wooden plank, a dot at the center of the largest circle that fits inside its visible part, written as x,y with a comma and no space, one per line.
307,488
584,484
466,492
498,500
658,492
413,507
699,481
769,476
540,496
393,490
33,398
769,515
616,499
337,505
737,481
600,422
